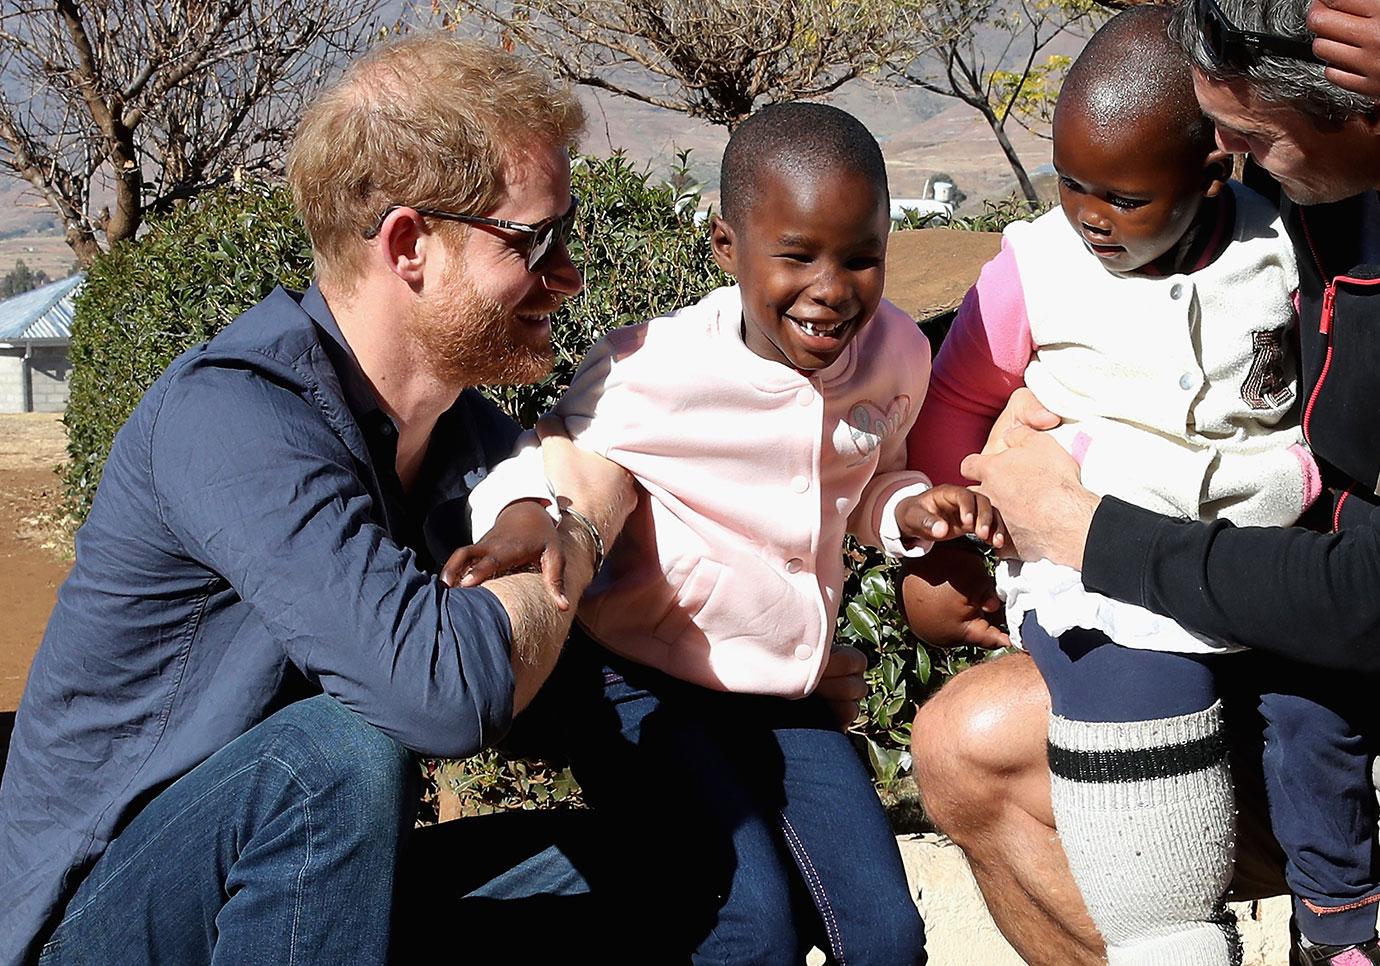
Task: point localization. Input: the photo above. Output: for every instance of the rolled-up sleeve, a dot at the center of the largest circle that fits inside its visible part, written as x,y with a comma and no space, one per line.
257,487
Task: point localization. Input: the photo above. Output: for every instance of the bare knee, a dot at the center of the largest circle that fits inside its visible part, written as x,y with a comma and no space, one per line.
980,742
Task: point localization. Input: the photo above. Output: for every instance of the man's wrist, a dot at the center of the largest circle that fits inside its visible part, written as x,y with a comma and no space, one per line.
1118,558
1082,508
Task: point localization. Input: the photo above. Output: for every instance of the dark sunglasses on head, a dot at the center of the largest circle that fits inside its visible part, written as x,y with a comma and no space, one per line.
543,235
1231,46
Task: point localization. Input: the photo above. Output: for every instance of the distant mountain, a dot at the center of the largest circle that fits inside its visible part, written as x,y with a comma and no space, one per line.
652,136
920,134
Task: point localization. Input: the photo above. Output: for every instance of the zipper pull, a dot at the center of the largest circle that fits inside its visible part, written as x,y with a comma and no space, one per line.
1328,307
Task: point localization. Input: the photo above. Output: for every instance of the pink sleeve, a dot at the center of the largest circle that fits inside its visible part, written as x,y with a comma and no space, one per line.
981,363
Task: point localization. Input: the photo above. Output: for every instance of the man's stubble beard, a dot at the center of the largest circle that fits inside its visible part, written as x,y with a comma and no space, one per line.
470,339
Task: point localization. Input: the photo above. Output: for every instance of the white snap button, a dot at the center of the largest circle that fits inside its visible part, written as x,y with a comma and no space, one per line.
804,652
1186,381
793,565
1176,291
800,484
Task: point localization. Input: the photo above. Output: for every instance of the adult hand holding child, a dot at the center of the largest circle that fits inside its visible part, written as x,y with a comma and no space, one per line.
1045,506
525,533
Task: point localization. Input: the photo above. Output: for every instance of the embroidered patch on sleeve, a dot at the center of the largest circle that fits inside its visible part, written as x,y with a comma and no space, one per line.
1267,385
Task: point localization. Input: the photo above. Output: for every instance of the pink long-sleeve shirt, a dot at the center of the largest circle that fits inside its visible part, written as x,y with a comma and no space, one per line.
981,363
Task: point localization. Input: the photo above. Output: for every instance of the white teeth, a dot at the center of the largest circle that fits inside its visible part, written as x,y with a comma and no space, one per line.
810,328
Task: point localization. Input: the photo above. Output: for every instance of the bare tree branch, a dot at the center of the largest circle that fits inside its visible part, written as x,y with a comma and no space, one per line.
952,64
149,102
713,59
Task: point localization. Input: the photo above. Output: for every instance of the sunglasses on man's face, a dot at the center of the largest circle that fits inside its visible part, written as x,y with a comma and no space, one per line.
542,236
1231,46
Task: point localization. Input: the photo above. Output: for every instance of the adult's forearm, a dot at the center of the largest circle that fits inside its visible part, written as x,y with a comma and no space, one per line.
1307,596
539,626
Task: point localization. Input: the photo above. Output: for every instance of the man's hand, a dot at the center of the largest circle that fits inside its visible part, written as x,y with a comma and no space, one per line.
524,534
1022,409
950,599
842,687
1046,510
1348,38
604,494
948,511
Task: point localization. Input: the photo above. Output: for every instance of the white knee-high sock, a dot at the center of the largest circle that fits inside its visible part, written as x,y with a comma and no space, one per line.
1146,816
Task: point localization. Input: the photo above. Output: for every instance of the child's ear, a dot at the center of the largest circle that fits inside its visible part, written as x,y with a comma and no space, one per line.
1217,169
722,243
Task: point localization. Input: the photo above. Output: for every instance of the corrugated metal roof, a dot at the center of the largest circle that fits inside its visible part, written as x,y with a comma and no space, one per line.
42,313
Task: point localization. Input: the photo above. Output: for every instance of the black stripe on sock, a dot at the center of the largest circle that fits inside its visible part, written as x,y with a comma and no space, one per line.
1226,921
1142,764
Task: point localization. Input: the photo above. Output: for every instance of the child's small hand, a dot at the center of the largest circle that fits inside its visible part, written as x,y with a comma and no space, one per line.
523,535
842,685
947,511
950,599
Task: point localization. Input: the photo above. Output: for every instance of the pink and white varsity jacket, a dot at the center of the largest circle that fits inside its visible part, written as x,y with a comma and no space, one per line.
1178,394
728,573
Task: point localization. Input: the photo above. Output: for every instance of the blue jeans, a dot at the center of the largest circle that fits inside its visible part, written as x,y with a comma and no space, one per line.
745,828
1320,732
286,847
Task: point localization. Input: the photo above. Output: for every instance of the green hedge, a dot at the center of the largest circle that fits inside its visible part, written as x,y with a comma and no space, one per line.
642,255
186,277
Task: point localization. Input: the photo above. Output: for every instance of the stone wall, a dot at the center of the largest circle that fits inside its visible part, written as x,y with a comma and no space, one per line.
49,374
929,270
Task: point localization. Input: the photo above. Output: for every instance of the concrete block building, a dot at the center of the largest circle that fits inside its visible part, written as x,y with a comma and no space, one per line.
35,333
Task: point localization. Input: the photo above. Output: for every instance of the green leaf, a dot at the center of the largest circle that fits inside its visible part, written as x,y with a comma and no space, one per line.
876,587
885,761
923,666
864,622
891,671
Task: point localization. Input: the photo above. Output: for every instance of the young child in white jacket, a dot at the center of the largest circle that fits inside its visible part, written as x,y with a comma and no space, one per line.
1154,314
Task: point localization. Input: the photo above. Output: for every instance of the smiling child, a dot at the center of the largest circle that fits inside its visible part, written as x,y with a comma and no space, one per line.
763,424
1153,313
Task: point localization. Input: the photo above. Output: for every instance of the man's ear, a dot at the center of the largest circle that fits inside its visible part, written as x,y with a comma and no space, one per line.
723,244
1217,169
402,243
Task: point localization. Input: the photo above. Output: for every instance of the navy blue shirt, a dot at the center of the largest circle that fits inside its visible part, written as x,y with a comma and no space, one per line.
249,545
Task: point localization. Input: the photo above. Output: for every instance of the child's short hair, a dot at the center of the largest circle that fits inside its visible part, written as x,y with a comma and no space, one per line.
795,140
1133,76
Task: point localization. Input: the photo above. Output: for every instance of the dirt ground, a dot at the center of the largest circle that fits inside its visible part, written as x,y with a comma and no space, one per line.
32,556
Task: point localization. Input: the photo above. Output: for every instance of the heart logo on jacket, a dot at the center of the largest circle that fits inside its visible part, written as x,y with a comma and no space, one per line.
866,425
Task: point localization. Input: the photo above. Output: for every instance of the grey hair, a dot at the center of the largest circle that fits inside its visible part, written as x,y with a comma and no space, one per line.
1297,83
